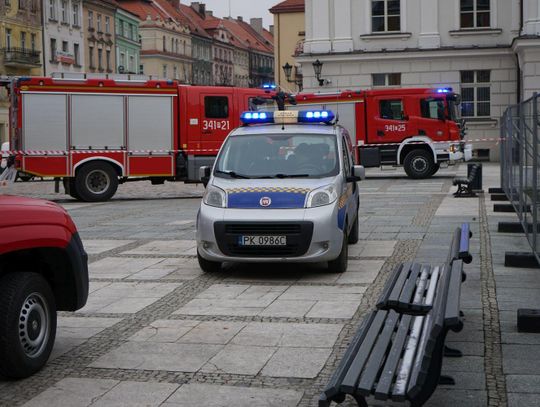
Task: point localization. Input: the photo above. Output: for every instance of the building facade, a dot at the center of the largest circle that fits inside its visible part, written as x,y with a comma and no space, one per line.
99,29
165,40
128,44
20,46
289,34
63,36
222,50
261,52
470,46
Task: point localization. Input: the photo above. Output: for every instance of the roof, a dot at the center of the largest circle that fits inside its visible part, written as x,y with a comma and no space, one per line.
156,9
288,6
194,20
246,38
257,41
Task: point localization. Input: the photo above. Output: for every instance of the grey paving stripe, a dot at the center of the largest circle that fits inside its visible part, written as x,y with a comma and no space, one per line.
493,359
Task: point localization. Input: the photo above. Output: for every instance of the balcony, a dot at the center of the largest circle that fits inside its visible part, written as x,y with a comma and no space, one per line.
21,57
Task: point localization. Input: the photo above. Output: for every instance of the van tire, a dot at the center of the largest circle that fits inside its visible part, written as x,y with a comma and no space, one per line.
96,182
208,266
339,265
27,324
353,235
419,164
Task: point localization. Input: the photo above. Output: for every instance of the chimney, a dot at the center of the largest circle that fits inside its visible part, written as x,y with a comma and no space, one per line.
271,29
257,24
240,18
200,8
209,13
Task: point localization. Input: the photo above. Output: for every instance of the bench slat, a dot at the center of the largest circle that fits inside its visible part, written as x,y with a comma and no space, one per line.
382,392
348,385
393,299
403,375
332,388
451,317
430,295
453,254
406,297
389,286
377,355
418,302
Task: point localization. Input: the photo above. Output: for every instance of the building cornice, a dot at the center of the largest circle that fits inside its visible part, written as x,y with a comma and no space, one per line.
409,53
525,42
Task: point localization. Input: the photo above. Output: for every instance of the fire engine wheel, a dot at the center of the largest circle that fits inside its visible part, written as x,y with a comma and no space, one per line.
339,265
96,182
70,188
419,164
436,168
27,324
208,266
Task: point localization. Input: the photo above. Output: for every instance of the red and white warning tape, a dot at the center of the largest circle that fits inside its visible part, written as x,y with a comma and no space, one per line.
200,150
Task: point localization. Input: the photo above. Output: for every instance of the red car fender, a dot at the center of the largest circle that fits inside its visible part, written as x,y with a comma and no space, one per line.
33,236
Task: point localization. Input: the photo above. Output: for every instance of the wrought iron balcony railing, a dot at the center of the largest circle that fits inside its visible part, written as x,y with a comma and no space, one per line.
21,57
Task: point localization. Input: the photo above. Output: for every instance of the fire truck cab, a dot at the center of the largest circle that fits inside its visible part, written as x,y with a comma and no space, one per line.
95,132
415,128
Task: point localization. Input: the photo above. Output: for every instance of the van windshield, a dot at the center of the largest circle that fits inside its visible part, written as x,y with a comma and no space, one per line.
278,156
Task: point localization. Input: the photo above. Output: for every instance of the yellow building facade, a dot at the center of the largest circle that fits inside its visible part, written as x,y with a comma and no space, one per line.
289,35
20,47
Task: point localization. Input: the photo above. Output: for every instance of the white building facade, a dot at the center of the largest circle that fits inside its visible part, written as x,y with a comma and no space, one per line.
63,36
484,49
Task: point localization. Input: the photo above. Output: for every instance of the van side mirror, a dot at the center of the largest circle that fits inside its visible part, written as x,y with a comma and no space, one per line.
359,173
204,174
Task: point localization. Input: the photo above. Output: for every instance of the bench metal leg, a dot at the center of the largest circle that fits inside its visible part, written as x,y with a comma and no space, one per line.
452,353
360,401
447,380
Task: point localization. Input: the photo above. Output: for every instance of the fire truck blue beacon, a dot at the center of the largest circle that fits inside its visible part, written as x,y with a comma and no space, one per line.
282,189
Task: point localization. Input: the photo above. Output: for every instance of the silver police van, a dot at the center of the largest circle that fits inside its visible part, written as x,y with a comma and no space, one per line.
282,189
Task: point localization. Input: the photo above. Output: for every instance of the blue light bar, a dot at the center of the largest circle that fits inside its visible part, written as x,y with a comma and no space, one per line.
316,116
444,90
257,117
269,86
288,117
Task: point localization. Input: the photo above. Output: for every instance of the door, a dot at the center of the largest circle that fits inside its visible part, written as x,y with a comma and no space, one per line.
216,113
432,118
388,121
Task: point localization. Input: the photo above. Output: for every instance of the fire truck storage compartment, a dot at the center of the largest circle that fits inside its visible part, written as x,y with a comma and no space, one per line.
369,156
97,122
44,121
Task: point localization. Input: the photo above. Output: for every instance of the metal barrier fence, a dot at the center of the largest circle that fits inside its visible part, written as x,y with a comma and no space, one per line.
519,165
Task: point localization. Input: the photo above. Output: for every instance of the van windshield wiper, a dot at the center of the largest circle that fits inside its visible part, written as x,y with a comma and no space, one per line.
290,176
232,174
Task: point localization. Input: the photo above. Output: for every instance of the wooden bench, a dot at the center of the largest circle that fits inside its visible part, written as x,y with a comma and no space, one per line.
397,352
465,184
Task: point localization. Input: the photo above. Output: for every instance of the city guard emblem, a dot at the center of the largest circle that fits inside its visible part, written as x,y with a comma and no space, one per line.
265,201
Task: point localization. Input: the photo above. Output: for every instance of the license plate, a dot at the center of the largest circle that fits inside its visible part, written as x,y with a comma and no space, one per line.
262,240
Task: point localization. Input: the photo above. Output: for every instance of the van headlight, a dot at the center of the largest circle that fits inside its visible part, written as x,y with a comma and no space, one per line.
322,196
214,196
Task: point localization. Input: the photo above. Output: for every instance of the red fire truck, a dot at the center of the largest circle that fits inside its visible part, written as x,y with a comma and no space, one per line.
415,128
95,133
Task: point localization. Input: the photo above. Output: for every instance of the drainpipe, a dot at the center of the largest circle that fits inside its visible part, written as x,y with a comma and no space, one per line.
43,24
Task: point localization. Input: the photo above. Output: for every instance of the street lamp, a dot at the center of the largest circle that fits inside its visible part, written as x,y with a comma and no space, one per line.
317,67
287,68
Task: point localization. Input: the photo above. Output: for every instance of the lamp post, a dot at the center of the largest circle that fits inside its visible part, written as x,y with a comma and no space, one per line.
287,69
317,67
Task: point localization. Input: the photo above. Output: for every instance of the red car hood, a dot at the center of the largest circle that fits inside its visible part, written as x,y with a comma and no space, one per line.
19,211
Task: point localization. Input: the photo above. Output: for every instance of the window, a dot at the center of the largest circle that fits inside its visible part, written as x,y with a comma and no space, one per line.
33,42
8,38
23,40
216,107
175,72
141,69
173,48
91,57
63,10
65,46
127,31
131,63
164,44
474,13
164,71
391,109
76,14
346,160
122,59
100,58
53,49
52,9
134,32
476,93
76,54
386,79
431,108
99,23
107,24
385,15
108,57
22,4
90,19
7,3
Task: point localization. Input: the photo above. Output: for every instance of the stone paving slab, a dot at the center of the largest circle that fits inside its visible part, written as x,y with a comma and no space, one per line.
144,268
100,246
167,247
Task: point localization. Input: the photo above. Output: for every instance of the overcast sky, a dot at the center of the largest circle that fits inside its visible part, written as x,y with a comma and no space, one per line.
245,8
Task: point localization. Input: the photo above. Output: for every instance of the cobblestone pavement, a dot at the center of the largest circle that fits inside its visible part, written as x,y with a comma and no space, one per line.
157,331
